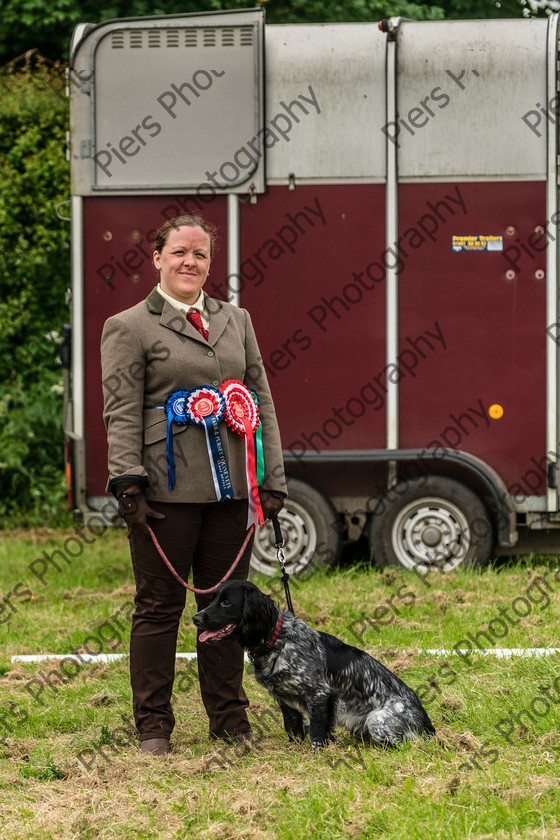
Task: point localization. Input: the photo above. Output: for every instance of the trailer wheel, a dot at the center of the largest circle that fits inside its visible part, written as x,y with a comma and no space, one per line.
431,523
311,530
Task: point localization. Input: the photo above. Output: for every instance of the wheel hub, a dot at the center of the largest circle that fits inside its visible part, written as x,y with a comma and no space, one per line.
431,536
431,533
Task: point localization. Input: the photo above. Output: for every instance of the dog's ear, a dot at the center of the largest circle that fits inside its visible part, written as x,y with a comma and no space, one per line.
258,618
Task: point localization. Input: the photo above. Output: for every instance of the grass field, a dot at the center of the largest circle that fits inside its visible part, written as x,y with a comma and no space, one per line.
71,767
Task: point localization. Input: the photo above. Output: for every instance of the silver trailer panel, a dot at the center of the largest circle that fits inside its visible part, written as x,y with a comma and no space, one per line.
345,66
460,103
463,88
193,121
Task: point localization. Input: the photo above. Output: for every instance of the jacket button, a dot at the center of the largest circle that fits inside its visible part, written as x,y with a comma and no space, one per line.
210,352
216,382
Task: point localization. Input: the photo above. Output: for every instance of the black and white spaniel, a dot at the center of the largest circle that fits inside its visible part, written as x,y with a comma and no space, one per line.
313,674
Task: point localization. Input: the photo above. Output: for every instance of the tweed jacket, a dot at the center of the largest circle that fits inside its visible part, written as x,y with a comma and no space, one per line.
151,350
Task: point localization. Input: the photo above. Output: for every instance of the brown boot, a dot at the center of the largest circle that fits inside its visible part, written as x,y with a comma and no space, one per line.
156,746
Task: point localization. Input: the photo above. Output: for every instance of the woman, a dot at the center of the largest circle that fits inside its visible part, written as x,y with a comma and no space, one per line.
180,339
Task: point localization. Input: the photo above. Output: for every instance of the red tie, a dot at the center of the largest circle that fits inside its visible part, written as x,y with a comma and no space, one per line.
195,319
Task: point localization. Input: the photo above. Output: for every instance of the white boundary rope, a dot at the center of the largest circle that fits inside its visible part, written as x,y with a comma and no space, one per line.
85,659
500,653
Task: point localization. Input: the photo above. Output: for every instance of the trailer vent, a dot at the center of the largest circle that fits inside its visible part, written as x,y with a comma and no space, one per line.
228,37
157,38
172,37
191,37
209,37
246,36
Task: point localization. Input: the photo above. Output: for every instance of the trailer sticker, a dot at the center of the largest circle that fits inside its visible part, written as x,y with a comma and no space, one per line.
477,242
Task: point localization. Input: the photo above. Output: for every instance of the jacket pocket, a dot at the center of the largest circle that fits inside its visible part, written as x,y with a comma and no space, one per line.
155,426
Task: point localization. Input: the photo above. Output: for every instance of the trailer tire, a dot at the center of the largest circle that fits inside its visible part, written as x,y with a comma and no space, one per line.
311,529
431,523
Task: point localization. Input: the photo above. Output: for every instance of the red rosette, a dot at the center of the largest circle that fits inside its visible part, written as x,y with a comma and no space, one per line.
204,402
242,416
240,409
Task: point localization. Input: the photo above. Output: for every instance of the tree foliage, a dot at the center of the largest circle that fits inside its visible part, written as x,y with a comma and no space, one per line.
47,26
34,273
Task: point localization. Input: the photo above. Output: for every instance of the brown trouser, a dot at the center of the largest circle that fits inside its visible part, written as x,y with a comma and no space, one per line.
206,538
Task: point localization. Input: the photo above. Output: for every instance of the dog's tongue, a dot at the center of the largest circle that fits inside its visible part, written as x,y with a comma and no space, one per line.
208,634
216,634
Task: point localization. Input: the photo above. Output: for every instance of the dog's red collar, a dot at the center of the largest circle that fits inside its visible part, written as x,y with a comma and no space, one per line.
271,642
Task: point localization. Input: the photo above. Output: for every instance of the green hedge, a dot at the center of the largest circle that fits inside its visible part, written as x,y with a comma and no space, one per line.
34,276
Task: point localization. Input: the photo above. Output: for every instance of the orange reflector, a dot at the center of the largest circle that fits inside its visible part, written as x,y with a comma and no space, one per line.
496,411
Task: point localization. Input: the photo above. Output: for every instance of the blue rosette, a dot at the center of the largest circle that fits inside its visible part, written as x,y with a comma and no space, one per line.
175,409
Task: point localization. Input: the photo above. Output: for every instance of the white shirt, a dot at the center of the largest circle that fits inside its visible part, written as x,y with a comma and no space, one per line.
199,305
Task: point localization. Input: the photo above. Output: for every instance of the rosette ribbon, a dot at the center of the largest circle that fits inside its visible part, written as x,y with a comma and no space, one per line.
175,411
242,415
205,406
259,446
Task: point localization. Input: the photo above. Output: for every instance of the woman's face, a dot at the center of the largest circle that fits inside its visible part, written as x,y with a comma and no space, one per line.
184,263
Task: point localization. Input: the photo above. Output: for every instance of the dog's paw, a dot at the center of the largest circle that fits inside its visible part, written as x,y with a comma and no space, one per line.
325,742
317,745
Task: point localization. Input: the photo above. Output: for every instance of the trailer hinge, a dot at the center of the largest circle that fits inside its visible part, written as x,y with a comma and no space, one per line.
86,148
252,194
291,181
552,475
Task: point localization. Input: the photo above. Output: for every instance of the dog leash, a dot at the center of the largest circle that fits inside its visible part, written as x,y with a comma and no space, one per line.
279,554
178,577
281,559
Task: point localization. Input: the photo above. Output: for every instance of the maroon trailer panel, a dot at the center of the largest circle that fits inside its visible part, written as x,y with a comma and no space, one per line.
319,315
118,273
492,320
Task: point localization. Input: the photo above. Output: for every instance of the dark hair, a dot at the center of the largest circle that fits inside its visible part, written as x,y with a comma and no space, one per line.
188,220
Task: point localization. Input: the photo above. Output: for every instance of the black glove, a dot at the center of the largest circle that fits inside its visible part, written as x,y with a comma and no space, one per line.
134,509
272,502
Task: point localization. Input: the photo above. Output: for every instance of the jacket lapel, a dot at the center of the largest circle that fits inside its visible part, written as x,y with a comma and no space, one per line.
174,320
218,319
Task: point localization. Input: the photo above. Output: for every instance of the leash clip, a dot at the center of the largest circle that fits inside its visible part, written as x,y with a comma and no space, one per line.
279,543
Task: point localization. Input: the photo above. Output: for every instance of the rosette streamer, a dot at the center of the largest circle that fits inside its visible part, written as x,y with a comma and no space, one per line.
242,415
259,446
205,406
175,411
